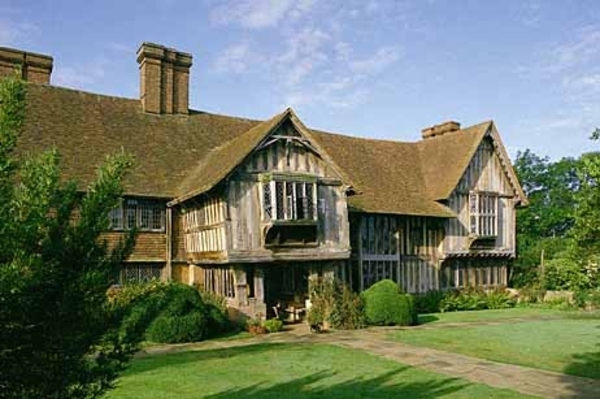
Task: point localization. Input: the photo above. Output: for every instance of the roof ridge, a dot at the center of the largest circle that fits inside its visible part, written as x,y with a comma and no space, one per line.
374,139
132,99
74,90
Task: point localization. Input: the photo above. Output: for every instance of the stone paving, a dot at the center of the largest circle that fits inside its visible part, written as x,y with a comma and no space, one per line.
526,380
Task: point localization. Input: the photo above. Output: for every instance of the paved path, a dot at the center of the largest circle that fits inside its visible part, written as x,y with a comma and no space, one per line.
373,340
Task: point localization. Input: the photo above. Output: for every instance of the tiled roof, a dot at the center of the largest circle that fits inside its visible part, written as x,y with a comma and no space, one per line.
179,156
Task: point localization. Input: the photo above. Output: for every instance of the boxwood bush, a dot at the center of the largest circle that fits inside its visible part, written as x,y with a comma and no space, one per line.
387,305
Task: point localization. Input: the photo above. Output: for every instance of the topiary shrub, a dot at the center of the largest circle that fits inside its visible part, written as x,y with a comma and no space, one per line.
387,305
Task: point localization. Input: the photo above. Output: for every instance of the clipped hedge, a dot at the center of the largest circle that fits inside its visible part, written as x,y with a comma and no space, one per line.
387,305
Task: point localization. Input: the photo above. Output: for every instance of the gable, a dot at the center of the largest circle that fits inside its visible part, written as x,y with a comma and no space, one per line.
453,161
490,170
275,143
287,150
485,172
445,158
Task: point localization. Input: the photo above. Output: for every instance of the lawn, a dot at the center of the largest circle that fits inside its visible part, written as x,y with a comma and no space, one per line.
491,315
288,371
567,344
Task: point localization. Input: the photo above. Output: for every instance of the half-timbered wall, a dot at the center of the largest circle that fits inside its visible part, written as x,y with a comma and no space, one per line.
402,248
204,228
474,272
280,157
285,160
485,174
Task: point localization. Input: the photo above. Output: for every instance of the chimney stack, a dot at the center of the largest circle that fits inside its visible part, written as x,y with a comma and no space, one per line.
32,67
164,79
438,130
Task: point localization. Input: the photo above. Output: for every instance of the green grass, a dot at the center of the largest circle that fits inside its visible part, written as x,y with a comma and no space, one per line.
568,345
490,315
288,371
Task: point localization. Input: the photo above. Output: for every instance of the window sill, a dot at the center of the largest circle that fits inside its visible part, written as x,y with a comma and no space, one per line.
301,222
138,231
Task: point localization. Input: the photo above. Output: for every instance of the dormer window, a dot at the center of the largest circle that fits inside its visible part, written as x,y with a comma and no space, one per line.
289,200
483,212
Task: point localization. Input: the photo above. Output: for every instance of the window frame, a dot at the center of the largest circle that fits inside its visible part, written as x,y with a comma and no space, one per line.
146,215
484,215
289,200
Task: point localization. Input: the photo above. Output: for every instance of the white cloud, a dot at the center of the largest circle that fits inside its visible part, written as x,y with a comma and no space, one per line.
121,48
310,59
529,13
259,14
238,58
584,84
583,49
79,77
383,57
14,33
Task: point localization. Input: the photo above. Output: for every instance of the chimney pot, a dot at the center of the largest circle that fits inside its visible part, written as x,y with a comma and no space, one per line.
32,67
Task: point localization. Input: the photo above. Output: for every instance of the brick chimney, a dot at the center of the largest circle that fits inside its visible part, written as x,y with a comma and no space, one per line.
438,130
32,67
164,79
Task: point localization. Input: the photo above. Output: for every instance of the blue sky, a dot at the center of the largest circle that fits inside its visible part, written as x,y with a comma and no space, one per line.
383,69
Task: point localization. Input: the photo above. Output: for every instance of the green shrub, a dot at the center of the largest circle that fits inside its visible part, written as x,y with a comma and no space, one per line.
322,296
499,299
169,312
564,274
465,299
218,320
348,311
182,318
334,302
532,294
429,302
386,304
170,329
273,325
587,299
476,299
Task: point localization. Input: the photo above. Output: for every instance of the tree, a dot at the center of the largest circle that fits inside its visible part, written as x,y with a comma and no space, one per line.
59,335
587,214
546,224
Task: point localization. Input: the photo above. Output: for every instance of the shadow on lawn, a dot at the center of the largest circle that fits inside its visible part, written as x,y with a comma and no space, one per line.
323,384
426,318
180,358
378,387
585,365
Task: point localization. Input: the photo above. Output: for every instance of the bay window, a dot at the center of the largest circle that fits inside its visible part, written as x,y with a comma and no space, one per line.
285,200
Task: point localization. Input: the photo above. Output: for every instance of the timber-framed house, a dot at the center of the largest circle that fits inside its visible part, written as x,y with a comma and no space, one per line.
251,209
